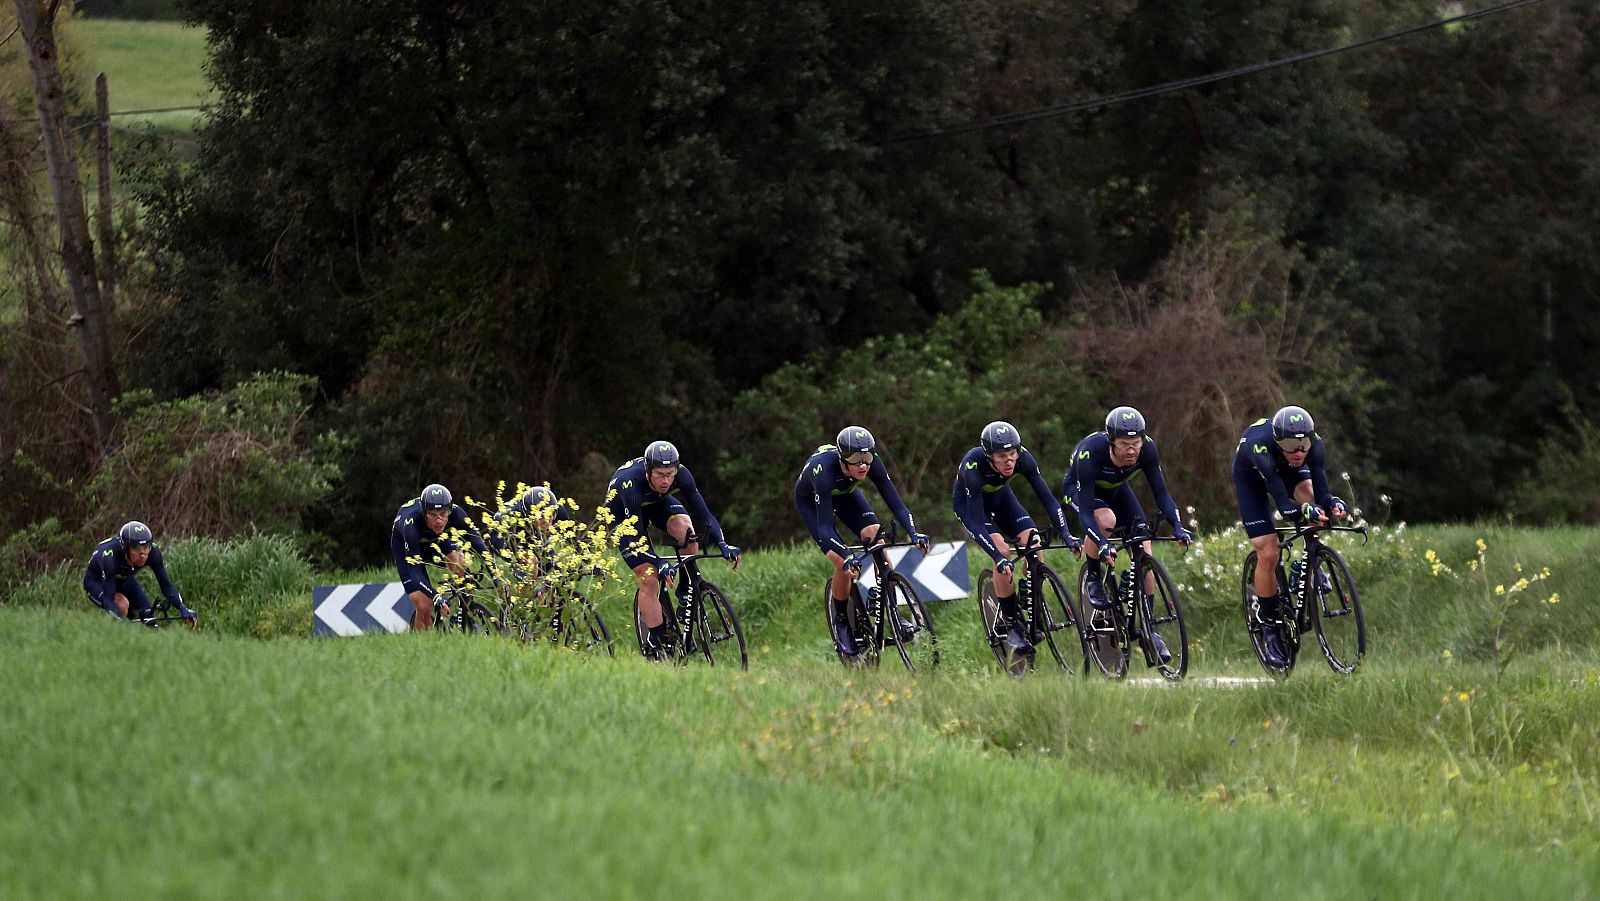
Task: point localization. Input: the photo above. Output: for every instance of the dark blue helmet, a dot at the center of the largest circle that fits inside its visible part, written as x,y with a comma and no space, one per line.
538,496
135,533
1000,436
1292,422
660,453
1125,422
436,497
853,439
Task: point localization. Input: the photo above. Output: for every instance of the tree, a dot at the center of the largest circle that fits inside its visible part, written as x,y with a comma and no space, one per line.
36,22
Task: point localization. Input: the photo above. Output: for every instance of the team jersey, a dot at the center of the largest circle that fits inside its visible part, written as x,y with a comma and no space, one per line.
629,494
415,537
1259,451
977,477
1093,473
823,478
109,565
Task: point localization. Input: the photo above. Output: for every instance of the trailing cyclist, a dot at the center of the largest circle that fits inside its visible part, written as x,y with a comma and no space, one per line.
1279,465
527,519
648,491
1096,486
428,529
829,486
111,579
983,499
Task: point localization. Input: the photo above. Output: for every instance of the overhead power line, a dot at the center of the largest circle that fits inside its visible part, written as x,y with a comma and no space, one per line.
1185,84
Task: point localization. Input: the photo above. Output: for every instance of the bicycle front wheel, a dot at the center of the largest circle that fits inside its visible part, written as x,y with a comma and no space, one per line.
908,626
1336,612
1105,633
1162,615
1056,617
717,629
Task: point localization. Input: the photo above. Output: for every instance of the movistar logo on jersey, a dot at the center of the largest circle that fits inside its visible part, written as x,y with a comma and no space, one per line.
1259,448
972,465
628,484
107,552
1083,455
816,470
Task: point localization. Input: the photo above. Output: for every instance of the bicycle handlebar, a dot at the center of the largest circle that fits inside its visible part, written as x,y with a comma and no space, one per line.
1300,532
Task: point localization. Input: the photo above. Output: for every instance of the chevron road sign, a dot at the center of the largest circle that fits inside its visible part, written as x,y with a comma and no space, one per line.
357,609
941,575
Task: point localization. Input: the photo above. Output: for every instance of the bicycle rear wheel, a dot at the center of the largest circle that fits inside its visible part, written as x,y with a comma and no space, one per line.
582,629
1162,614
717,629
1105,633
918,646
1247,578
989,613
1055,616
669,618
1336,613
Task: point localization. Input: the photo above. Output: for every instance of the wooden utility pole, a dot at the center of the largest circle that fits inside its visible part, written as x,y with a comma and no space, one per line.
91,318
102,152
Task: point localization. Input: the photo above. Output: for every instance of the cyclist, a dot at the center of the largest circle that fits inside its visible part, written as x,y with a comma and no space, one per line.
830,485
1096,486
647,490
526,519
425,530
1279,465
111,579
983,499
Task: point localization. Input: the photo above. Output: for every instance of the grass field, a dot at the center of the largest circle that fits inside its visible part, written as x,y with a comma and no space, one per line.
148,65
217,764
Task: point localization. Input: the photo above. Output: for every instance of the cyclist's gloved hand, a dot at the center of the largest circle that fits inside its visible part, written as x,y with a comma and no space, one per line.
668,572
1312,513
1339,508
1183,535
1073,543
852,565
1003,567
729,551
1108,554
921,541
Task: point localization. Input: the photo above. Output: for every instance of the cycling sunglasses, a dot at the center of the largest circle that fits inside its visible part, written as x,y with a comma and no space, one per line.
1294,445
860,458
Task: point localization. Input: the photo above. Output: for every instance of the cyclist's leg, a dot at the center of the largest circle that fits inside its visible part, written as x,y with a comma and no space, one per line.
637,554
681,529
855,514
414,580
1127,511
1255,511
131,597
1105,519
648,595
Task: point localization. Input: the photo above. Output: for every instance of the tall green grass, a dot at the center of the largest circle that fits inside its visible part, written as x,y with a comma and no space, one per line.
195,765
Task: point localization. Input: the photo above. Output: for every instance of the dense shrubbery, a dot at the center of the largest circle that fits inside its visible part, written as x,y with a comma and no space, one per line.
225,464
925,397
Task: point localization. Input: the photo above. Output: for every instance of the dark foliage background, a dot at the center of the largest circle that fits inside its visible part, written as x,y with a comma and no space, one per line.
519,240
